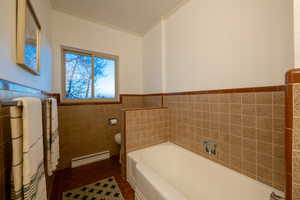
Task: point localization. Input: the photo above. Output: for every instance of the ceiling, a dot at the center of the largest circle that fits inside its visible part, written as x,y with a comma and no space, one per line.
135,16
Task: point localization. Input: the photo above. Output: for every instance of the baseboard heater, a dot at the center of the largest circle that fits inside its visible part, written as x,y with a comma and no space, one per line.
84,160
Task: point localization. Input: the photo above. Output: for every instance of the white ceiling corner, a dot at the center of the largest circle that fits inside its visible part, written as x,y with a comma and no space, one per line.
133,16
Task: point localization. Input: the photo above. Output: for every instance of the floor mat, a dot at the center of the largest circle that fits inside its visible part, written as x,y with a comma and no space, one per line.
106,189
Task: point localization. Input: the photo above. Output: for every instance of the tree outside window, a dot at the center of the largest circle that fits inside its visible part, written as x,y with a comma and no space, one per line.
89,76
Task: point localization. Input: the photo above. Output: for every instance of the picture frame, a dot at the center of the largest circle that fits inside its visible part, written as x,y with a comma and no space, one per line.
28,37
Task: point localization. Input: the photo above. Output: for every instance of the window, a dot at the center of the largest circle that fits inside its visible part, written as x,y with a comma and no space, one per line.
89,76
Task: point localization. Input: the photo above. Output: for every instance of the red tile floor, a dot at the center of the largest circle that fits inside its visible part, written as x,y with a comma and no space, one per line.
72,178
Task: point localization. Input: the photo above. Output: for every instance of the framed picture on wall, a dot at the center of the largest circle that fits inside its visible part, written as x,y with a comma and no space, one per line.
28,37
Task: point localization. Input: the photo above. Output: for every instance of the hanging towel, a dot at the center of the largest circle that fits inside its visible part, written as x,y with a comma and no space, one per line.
28,177
52,136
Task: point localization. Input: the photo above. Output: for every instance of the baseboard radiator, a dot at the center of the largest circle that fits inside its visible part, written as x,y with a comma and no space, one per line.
84,160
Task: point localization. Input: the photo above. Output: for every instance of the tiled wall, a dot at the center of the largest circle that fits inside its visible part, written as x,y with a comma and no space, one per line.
152,101
296,143
84,129
248,128
146,127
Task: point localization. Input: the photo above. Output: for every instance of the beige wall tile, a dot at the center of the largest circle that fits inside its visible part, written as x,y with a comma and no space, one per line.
224,98
248,109
236,120
296,167
224,118
213,98
236,130
250,155
278,111
264,98
265,135
248,98
279,165
264,123
214,107
278,151
249,133
264,148
278,138
148,127
250,168
278,124
236,98
278,180
224,158
296,123
248,128
223,137
264,160
264,175
296,105
236,163
296,140
152,101
224,108
296,191
236,109
264,110
249,121
279,98
250,145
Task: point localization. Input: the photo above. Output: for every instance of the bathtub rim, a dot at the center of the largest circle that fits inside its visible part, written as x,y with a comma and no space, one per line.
135,156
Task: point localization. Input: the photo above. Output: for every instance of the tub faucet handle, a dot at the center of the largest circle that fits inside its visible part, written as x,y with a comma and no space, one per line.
210,147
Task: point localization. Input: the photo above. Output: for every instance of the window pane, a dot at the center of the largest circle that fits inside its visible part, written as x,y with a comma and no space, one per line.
30,56
78,76
105,78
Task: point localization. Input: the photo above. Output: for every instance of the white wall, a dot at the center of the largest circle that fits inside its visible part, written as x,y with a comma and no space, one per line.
297,32
8,69
208,45
152,60
79,33
226,44
229,44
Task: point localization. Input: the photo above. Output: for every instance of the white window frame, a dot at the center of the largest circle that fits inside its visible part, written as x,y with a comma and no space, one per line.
93,54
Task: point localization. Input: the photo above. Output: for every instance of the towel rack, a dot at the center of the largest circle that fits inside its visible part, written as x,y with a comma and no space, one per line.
8,103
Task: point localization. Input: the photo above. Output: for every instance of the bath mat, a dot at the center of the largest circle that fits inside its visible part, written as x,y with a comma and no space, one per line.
106,189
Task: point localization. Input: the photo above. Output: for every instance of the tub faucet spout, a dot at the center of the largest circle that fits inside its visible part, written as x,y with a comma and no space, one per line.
274,196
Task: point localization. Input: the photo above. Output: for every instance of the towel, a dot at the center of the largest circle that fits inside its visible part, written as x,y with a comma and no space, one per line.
28,177
52,136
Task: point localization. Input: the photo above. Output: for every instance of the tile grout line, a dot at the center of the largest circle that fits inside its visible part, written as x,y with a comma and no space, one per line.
257,174
272,168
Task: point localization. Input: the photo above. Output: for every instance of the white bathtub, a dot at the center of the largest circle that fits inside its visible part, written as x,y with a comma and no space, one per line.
169,172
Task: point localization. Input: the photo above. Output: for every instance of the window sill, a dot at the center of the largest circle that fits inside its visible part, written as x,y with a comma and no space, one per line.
74,103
